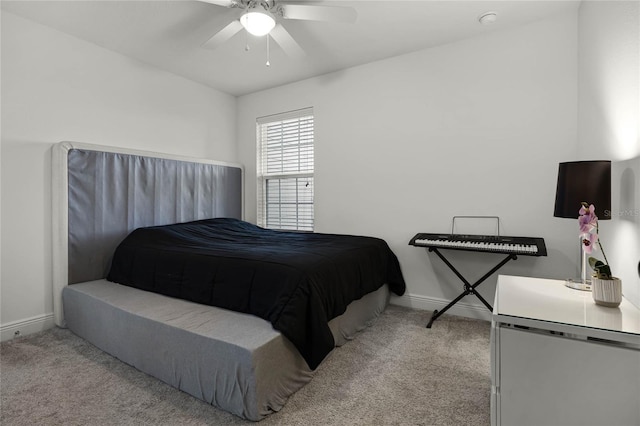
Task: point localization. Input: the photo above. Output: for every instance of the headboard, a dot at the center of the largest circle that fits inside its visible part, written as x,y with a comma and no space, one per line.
100,194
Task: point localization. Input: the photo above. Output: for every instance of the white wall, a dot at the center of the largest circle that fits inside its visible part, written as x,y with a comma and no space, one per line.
471,128
403,144
55,88
609,123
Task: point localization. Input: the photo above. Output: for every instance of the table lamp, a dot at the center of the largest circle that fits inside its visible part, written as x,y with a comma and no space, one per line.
589,182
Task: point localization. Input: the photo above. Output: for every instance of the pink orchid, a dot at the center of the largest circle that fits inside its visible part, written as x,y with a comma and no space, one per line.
584,209
588,242
587,220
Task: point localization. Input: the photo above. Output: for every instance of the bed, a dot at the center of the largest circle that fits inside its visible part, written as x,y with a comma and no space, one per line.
245,357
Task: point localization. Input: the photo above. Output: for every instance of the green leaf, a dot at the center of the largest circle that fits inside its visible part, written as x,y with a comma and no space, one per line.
595,263
603,271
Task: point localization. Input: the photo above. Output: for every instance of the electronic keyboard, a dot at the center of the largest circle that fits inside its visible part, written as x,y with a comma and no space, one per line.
526,246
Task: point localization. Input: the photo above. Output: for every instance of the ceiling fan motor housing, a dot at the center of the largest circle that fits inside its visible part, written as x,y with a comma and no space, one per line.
252,4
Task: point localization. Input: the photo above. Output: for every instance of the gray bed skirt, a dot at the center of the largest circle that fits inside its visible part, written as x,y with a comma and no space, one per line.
234,361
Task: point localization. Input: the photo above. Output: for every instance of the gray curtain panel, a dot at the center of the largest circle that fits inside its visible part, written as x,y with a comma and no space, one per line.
112,194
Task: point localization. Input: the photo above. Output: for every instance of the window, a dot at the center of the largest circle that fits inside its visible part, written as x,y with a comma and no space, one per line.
285,170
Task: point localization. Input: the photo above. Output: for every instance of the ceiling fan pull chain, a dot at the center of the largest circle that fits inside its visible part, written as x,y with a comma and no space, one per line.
246,41
268,63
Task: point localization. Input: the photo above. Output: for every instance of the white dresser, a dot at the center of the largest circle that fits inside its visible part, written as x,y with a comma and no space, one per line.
557,358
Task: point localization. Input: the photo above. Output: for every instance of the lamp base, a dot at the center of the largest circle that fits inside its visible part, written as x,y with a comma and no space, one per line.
578,284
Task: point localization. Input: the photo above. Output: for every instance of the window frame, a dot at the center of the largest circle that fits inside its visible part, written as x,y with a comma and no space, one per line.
297,135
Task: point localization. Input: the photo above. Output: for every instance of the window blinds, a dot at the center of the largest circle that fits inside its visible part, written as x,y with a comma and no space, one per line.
285,170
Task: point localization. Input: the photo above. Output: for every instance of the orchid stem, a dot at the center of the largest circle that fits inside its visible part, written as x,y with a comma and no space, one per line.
600,244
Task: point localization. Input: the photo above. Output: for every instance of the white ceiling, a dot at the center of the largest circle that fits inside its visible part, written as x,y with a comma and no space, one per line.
169,34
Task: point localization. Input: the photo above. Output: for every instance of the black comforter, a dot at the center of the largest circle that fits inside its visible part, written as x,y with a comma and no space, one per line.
297,281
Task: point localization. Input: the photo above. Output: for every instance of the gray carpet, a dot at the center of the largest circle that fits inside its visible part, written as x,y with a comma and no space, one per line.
397,372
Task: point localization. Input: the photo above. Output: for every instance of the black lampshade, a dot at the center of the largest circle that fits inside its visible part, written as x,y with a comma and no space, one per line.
588,181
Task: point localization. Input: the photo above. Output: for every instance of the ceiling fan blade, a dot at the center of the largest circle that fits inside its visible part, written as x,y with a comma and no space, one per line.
286,42
223,35
225,3
319,13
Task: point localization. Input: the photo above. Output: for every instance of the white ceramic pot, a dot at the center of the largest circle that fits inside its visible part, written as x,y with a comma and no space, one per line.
607,292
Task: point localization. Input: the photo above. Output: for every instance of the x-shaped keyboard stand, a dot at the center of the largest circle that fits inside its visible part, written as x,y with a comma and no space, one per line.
468,288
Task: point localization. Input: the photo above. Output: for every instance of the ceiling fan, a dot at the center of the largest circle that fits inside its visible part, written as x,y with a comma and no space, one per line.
260,18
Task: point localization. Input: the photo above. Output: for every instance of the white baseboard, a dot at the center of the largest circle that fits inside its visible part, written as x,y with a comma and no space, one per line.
461,308
25,327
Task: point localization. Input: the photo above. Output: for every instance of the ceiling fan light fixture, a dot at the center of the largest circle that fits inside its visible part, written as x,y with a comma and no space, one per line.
258,23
